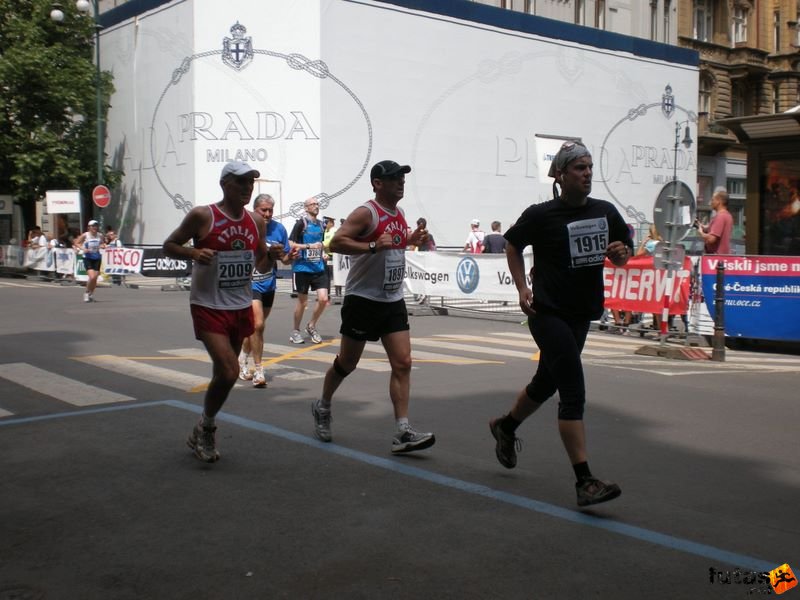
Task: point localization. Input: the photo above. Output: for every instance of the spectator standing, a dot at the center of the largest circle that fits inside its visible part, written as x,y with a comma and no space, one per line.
376,235
36,238
429,245
571,235
495,243
717,234
309,271
474,243
327,236
90,243
113,241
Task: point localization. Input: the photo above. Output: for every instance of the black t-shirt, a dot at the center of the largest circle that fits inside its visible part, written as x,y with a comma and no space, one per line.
494,243
569,245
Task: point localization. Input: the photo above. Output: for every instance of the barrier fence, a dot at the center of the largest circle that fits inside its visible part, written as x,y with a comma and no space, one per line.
762,293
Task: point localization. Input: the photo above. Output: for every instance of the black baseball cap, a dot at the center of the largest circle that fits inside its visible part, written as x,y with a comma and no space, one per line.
387,168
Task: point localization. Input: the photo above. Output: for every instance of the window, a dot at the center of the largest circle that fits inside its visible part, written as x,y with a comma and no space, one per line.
738,101
654,20
580,12
737,187
666,22
600,14
776,27
706,85
703,19
739,25
776,98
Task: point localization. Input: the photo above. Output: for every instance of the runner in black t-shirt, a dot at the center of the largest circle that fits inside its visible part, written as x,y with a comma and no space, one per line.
571,236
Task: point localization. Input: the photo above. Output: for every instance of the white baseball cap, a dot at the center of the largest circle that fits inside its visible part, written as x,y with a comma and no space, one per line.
93,222
475,222
238,169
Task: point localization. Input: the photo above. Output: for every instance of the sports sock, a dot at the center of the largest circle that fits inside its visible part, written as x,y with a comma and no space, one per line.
402,423
509,424
324,404
582,471
243,358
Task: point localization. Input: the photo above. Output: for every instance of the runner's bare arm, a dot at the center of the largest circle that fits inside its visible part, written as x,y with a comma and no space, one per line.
194,226
345,240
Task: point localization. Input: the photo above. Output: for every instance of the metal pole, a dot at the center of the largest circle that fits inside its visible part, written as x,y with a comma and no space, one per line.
718,343
98,92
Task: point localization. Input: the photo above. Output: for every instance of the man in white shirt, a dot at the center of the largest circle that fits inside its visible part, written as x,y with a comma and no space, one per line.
474,243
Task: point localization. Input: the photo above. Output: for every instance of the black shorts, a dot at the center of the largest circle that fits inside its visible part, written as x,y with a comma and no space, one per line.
315,281
92,264
267,298
364,319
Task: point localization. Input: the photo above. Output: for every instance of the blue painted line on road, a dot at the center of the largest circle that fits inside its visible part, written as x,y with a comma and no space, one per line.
80,413
395,465
639,533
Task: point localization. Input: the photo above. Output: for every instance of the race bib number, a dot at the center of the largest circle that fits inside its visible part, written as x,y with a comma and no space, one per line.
234,268
587,242
395,272
313,254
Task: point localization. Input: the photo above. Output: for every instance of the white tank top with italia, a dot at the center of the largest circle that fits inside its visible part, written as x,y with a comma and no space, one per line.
380,276
225,283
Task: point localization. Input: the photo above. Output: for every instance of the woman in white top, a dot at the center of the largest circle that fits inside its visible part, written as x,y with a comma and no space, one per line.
89,244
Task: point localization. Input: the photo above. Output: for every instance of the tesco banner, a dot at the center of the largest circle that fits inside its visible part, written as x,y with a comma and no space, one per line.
640,287
122,261
762,295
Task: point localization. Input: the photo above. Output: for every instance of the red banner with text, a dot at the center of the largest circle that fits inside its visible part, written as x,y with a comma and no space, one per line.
640,287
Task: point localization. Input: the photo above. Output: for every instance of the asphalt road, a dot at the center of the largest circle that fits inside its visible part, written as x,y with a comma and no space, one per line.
100,497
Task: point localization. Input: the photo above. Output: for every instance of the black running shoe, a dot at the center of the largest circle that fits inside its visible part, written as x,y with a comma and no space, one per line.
594,491
507,445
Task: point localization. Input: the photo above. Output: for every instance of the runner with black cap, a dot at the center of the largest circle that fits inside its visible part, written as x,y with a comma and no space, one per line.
571,235
376,235
228,243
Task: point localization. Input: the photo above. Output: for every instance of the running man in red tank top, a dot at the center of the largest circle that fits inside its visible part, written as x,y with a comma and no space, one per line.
228,243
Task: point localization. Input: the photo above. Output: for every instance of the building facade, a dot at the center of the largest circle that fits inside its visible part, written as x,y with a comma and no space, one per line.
749,65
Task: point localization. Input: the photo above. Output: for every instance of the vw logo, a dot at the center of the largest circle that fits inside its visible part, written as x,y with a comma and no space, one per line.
467,274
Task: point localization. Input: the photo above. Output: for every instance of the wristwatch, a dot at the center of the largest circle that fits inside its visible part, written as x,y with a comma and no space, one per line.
373,247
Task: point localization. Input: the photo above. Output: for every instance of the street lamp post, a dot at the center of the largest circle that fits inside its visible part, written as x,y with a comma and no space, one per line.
88,7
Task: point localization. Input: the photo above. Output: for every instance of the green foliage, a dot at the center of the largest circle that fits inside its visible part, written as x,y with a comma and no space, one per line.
48,113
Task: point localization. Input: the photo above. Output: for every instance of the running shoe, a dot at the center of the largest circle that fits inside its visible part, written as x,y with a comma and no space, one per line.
507,445
244,372
296,337
322,421
259,380
87,297
594,491
202,442
312,333
410,440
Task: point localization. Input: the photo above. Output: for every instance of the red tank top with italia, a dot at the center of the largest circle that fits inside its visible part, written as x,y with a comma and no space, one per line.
225,283
380,276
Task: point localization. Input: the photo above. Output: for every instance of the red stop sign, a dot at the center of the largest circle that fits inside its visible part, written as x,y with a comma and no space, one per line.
101,196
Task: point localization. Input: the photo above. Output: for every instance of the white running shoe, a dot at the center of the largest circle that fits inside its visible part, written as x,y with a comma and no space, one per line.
296,337
259,380
87,297
244,372
312,333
